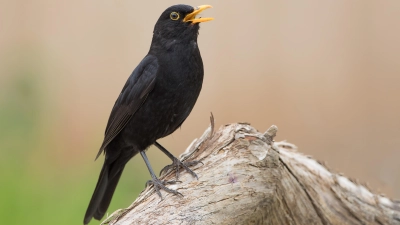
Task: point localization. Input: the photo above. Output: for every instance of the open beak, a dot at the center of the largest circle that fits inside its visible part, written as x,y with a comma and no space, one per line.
192,16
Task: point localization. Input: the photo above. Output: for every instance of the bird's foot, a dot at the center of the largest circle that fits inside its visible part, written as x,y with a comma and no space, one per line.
176,164
158,184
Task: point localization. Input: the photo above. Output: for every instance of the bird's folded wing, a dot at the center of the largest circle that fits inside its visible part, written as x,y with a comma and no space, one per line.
132,96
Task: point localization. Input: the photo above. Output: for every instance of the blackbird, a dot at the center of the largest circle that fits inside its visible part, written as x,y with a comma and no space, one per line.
156,99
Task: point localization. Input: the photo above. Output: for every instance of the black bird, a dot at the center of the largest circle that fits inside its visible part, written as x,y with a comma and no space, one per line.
156,99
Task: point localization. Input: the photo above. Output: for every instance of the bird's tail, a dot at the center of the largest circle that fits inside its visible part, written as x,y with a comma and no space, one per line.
103,193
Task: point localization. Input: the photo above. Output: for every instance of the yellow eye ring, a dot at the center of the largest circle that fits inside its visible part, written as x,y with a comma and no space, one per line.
174,16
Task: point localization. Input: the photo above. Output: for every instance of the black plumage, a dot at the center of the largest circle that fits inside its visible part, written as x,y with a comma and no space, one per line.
156,99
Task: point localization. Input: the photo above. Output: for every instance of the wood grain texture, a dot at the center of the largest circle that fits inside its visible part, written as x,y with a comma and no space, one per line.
247,178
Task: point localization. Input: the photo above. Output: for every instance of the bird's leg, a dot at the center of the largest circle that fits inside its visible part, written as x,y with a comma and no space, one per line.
158,184
176,163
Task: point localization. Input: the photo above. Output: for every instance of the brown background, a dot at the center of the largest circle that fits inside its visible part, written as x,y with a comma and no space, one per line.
327,73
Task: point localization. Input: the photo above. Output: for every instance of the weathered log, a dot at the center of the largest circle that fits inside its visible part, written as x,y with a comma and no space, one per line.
247,178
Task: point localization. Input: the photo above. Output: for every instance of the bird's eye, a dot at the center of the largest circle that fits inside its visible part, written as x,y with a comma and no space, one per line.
174,16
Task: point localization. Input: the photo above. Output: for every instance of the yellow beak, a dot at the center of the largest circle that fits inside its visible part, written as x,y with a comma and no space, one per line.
192,16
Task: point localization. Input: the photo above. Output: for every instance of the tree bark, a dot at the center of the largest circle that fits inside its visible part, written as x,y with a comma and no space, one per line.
247,178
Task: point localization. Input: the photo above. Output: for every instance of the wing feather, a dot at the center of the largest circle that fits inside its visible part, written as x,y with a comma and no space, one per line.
133,95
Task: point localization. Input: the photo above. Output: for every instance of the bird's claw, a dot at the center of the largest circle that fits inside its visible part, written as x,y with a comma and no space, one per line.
176,164
158,184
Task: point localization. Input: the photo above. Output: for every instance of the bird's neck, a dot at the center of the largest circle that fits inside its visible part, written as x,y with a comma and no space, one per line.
160,42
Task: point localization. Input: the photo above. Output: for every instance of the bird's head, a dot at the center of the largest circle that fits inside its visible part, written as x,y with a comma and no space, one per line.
180,22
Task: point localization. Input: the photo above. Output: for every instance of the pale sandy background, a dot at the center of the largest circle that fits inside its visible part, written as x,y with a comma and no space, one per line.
327,73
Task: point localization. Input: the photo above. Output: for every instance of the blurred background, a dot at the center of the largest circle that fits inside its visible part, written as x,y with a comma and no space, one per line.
326,73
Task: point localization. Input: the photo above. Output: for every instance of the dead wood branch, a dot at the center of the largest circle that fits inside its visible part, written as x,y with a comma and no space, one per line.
249,179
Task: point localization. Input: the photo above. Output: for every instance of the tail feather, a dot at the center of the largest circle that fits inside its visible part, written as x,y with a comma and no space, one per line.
103,192
105,202
98,194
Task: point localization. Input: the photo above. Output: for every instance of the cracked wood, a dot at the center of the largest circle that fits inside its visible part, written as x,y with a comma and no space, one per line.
247,178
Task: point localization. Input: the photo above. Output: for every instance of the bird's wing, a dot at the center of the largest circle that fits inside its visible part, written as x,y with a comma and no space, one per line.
132,96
